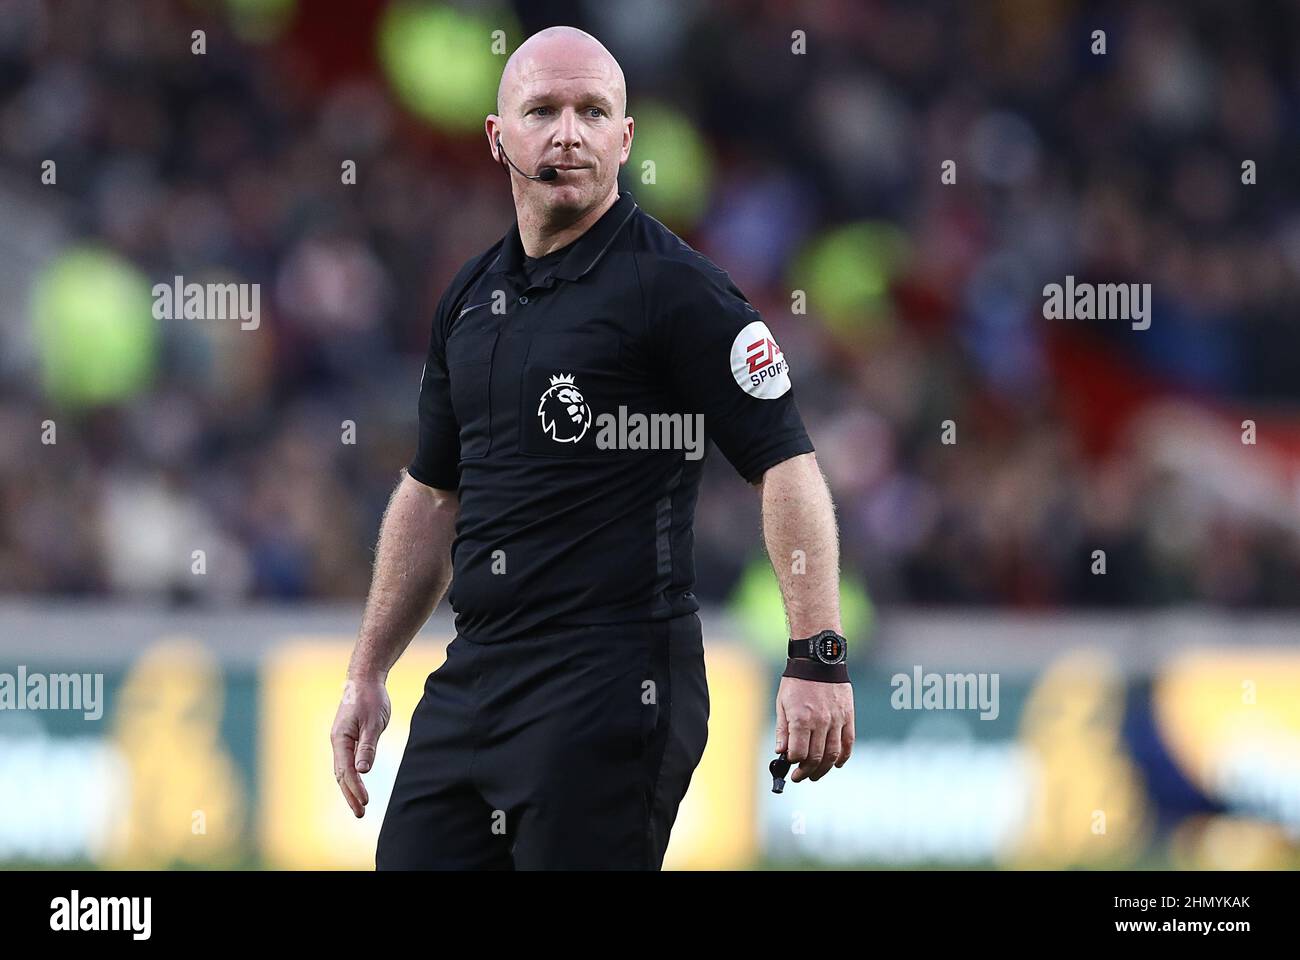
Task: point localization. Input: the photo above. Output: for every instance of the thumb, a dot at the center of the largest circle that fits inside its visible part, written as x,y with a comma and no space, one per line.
365,755
780,728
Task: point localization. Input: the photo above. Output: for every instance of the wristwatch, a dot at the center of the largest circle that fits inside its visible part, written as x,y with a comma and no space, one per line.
822,657
827,647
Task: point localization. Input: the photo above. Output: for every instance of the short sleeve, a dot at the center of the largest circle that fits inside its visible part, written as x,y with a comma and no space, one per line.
726,364
437,455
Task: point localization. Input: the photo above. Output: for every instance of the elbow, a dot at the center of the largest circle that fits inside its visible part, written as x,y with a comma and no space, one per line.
435,496
795,466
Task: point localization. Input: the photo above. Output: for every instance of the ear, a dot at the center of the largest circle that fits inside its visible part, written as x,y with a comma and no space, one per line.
628,126
492,128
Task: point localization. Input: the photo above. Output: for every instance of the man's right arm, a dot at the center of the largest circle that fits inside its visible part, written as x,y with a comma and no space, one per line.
411,572
413,558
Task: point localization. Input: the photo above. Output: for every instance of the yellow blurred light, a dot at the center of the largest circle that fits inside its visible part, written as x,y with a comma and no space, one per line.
670,169
758,607
1218,708
441,62
1224,842
1090,805
305,822
94,328
847,272
260,21
186,801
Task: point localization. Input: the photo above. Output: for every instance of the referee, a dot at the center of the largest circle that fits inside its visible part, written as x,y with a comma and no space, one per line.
563,729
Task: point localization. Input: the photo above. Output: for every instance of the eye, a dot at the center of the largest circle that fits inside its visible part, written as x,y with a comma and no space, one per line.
598,112
536,109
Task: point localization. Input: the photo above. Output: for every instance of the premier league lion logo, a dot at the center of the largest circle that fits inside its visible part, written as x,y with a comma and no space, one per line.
565,414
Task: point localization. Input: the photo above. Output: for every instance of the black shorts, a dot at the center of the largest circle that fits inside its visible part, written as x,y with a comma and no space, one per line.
567,750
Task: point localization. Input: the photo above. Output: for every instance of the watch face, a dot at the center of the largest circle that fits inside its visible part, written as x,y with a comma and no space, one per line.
830,648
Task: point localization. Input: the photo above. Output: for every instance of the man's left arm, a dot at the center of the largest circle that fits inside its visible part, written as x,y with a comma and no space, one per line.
726,364
814,719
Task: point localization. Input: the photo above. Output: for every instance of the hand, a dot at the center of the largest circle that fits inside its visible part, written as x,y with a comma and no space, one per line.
361,718
814,725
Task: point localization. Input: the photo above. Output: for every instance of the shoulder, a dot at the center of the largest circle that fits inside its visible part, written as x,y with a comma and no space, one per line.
675,273
470,271
461,285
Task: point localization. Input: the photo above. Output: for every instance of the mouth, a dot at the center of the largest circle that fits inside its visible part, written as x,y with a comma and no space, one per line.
561,166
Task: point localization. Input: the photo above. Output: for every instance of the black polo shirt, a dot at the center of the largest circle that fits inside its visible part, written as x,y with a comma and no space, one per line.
531,401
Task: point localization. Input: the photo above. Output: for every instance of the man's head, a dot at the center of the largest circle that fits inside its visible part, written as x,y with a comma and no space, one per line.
562,103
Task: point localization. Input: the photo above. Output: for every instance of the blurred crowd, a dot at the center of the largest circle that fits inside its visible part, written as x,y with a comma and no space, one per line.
1116,166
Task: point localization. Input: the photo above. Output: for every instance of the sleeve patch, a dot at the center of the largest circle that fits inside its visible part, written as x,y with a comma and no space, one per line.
757,363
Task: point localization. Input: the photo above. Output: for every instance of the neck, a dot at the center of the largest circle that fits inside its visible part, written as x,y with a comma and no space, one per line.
540,232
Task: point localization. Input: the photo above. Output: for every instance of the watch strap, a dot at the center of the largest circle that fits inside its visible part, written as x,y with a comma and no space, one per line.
802,668
806,648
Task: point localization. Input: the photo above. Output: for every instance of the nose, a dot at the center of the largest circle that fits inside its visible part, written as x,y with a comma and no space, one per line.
566,134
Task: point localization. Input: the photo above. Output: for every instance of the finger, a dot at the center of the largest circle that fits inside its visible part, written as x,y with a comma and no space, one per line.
798,738
830,754
780,728
353,803
353,780
365,757
847,736
813,757
343,760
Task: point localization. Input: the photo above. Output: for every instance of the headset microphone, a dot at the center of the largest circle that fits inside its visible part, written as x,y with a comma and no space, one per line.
546,174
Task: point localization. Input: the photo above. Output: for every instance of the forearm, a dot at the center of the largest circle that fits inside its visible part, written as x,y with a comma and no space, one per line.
411,572
803,543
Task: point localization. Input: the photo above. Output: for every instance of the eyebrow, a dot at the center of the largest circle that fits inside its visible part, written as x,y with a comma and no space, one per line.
592,97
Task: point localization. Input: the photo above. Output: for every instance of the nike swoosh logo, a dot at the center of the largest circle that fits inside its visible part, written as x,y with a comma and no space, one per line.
475,307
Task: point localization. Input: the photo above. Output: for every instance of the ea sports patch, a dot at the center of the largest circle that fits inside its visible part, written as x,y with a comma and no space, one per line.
758,364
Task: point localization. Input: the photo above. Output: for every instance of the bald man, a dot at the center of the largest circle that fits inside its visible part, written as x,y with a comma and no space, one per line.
574,370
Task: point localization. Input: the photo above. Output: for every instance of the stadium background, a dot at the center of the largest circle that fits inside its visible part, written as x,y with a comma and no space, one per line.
1148,716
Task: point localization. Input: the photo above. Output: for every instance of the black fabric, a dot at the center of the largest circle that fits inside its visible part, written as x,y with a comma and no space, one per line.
545,754
555,530
537,269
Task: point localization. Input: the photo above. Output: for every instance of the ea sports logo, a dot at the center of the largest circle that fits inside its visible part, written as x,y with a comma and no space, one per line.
757,363
565,414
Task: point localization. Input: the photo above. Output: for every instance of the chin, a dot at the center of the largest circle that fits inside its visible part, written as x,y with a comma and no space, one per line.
569,196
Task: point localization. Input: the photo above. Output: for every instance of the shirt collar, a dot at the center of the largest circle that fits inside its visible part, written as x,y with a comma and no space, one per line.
584,253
